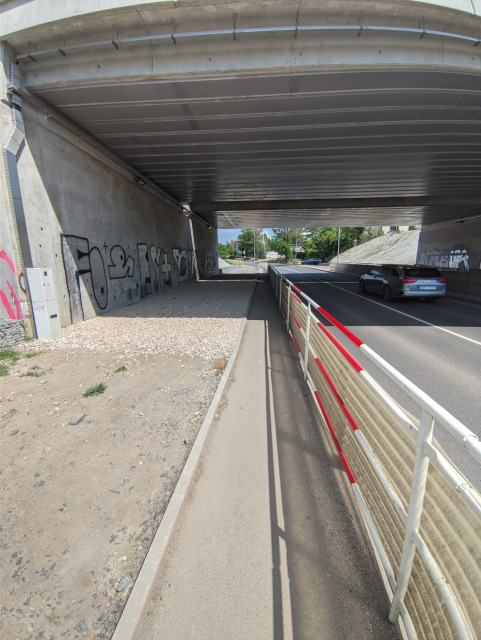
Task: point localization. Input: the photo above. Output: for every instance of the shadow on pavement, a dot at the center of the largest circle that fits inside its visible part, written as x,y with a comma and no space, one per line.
336,590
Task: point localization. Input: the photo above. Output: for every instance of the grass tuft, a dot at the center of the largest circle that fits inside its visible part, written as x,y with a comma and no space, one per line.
220,365
9,354
120,369
31,374
3,370
95,390
32,354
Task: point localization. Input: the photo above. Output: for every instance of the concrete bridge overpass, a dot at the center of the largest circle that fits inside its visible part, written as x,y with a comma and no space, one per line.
280,114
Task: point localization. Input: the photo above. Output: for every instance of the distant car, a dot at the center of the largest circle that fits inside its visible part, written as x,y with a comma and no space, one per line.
311,261
394,281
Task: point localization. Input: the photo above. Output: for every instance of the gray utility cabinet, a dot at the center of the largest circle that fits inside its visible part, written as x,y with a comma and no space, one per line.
44,303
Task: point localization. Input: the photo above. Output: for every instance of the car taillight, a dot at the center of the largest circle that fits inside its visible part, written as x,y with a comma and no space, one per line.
408,279
441,279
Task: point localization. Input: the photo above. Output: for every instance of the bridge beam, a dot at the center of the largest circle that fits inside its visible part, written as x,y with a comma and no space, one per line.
336,203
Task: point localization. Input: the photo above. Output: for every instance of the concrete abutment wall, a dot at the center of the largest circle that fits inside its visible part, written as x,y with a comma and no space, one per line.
109,241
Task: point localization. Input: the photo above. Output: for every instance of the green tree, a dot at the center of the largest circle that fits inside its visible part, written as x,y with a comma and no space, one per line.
246,238
225,250
370,233
322,241
283,242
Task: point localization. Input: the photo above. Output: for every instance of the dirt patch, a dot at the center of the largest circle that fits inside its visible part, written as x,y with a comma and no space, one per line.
81,502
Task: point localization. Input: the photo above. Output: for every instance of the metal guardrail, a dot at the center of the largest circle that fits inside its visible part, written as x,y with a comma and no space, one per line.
423,515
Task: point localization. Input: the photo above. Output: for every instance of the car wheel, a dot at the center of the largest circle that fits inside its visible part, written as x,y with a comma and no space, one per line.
362,286
386,294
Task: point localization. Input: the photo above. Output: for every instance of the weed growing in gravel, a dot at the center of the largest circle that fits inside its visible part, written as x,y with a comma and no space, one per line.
7,357
95,390
120,369
32,354
32,372
221,365
9,354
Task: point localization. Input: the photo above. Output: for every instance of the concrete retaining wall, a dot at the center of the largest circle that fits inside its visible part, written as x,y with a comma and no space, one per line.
109,241
451,246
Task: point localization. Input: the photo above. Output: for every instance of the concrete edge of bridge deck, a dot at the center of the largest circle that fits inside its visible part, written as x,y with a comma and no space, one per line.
139,596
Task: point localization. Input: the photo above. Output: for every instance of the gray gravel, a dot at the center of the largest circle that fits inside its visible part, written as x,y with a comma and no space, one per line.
198,320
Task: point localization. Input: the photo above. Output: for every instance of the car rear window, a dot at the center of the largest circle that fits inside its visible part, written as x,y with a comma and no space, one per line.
423,273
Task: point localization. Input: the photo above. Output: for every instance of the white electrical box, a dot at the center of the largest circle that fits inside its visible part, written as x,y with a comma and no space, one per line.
44,303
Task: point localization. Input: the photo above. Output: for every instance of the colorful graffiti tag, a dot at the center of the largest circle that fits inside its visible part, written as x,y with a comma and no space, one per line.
87,276
8,287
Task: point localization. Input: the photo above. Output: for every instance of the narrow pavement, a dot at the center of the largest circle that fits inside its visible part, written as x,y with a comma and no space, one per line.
270,543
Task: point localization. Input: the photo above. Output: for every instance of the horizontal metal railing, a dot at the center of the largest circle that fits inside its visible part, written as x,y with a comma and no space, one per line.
311,337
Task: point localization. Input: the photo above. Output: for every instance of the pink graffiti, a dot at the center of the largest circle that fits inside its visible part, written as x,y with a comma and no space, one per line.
3,297
4,256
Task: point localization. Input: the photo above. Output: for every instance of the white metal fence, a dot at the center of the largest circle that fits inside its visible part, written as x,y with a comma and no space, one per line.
423,515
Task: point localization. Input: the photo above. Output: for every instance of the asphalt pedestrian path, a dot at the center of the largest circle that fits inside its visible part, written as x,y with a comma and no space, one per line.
270,543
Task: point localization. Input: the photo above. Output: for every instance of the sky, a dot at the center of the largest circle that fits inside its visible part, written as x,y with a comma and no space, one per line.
226,235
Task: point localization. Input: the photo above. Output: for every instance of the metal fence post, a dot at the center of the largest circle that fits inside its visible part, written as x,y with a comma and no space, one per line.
306,346
280,292
416,501
288,305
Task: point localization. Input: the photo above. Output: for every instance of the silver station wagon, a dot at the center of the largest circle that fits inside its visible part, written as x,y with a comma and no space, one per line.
394,281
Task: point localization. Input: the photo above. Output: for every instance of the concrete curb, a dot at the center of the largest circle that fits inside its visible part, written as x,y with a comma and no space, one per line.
139,596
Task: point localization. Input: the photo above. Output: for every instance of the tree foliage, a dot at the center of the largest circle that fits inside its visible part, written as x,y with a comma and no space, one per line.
283,241
322,241
370,233
225,250
246,242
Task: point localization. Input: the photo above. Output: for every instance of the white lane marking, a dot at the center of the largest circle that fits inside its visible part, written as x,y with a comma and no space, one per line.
323,282
403,313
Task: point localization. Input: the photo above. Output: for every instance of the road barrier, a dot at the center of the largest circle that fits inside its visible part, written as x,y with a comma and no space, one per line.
423,515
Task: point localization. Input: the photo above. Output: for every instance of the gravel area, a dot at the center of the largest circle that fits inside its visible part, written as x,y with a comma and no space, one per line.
85,479
199,320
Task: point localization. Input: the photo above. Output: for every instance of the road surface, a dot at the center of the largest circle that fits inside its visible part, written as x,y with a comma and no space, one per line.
436,346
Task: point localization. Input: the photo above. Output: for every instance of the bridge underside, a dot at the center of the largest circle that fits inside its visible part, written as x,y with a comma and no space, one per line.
268,117
284,137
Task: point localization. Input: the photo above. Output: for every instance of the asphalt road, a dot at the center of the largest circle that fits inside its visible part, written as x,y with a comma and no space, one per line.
436,346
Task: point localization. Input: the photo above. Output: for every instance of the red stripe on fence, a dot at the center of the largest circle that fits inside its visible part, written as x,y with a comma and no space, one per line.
335,393
341,327
297,322
344,351
295,342
344,461
297,298
293,286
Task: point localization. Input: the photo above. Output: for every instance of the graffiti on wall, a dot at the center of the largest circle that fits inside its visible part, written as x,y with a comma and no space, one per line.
145,285
88,277
166,270
9,294
455,258
85,275
155,254
122,265
210,262
181,263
